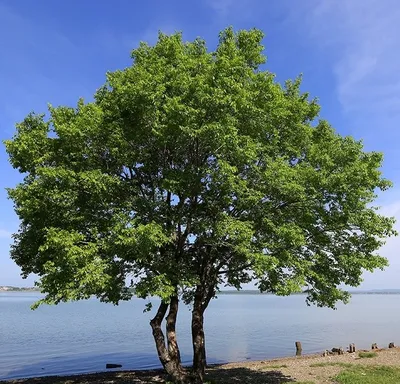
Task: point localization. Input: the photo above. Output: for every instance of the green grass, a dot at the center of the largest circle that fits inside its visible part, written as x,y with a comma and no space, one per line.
328,364
369,375
367,355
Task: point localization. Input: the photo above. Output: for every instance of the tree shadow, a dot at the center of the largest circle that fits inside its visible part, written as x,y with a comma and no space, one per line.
120,377
244,375
73,369
86,364
215,374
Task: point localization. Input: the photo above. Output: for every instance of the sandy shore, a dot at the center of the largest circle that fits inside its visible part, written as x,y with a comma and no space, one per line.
307,369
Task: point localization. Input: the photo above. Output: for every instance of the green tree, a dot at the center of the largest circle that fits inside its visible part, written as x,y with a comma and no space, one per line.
193,169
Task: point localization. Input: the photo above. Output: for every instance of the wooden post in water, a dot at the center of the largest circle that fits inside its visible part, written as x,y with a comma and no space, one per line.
298,348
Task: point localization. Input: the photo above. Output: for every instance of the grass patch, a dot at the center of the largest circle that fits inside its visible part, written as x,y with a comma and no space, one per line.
329,364
367,355
369,375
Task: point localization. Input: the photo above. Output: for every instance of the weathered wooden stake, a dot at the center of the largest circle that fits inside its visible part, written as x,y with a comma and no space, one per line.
352,348
298,348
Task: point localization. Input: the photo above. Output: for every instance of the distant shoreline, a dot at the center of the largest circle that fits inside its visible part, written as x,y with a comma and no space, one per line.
8,288
361,292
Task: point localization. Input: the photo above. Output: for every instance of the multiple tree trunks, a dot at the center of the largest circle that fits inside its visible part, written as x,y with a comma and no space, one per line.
167,347
169,356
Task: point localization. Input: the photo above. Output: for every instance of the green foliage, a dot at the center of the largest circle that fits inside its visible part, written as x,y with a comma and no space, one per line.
369,375
190,168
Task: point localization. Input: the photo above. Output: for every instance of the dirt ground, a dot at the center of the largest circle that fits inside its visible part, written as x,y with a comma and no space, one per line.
307,369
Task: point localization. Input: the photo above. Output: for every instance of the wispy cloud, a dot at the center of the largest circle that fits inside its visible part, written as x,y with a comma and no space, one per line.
361,38
114,42
20,34
227,12
221,7
389,277
38,60
4,234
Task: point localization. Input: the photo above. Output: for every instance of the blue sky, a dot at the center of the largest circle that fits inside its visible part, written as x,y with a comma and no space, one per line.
348,52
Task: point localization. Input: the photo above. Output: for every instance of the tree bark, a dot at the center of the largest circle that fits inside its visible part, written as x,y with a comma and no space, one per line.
199,347
202,298
173,348
169,357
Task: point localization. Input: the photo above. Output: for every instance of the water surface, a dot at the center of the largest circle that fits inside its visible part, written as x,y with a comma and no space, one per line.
83,336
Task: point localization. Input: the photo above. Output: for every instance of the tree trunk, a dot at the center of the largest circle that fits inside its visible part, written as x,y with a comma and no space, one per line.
198,338
169,358
173,349
199,348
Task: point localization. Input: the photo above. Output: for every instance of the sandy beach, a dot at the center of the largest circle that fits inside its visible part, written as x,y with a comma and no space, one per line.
310,369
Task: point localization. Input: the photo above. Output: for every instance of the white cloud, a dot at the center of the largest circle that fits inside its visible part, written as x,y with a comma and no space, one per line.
389,278
222,7
227,12
4,234
391,210
114,42
20,35
361,37
36,63
150,34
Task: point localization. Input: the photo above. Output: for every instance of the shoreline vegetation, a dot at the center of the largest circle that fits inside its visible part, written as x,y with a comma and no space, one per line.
359,292
378,366
8,288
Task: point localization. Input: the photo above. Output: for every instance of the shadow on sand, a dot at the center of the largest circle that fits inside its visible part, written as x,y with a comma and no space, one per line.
215,374
238,375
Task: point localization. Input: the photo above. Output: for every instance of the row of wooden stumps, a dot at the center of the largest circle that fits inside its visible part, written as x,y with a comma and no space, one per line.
338,351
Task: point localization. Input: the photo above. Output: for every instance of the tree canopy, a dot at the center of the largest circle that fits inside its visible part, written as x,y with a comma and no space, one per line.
189,170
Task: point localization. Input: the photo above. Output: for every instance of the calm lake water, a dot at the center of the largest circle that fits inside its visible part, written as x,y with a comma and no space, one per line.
84,336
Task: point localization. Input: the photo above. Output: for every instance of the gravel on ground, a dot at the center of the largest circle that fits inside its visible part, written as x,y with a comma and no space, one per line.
315,369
